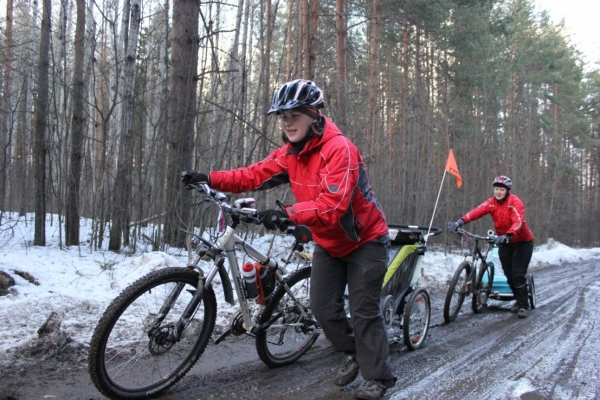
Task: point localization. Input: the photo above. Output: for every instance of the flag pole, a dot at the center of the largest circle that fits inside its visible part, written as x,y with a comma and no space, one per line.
435,206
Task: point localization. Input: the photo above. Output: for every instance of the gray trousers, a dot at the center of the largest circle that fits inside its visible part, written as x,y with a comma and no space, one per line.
363,271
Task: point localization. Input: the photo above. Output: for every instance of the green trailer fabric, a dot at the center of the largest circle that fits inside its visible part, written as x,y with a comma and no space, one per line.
404,252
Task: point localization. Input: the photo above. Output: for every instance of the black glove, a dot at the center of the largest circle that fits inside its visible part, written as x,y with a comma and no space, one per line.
453,226
271,219
194,177
502,239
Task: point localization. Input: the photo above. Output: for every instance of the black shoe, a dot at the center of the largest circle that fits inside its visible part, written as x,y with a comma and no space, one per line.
515,308
372,389
523,313
348,372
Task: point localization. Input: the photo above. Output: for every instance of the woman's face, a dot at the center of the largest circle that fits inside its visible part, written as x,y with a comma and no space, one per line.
295,125
499,192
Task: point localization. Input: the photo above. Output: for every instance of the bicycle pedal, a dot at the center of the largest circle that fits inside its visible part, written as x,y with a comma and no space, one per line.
223,336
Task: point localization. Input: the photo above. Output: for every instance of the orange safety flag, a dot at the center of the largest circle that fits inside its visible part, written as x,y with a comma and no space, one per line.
453,169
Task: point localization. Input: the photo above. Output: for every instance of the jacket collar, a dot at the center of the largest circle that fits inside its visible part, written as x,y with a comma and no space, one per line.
504,199
328,131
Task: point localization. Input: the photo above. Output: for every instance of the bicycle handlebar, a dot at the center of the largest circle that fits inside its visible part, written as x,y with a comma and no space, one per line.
489,238
240,208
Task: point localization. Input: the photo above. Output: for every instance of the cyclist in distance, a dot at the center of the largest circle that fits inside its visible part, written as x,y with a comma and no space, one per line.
334,199
515,239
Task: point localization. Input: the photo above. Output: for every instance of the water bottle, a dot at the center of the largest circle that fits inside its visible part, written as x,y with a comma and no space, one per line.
249,275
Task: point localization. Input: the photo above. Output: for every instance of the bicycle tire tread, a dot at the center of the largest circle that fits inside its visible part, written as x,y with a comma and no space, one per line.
119,305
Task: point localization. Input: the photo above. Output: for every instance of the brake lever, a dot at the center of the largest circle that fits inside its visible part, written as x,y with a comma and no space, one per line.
280,204
281,223
251,218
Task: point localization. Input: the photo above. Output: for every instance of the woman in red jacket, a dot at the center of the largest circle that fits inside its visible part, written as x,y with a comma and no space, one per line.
514,237
334,199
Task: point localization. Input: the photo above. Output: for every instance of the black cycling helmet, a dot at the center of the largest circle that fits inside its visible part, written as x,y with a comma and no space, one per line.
502,181
296,94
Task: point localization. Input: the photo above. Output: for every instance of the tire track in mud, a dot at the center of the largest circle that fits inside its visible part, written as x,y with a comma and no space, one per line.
552,354
493,354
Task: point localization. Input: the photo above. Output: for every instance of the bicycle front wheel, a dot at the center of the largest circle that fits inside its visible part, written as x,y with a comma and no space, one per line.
459,288
416,319
485,279
289,334
134,353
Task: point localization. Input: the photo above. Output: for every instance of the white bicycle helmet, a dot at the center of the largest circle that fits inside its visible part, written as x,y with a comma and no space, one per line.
502,181
295,94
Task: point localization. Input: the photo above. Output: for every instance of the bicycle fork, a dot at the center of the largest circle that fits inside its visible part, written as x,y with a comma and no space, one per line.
174,332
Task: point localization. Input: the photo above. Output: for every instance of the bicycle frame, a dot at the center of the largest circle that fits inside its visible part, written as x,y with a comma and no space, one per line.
476,254
225,248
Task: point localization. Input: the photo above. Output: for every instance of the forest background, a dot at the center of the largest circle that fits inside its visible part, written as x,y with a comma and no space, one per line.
103,104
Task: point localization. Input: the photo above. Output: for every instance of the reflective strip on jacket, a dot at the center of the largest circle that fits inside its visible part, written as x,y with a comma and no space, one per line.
508,217
329,181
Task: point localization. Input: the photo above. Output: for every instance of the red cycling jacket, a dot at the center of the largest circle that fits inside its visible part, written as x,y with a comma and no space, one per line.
508,217
329,181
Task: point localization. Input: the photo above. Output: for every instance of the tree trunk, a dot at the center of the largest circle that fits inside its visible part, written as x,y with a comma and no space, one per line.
5,110
41,113
25,184
304,30
59,129
267,55
312,39
87,185
235,88
288,43
182,112
122,191
77,133
372,104
340,27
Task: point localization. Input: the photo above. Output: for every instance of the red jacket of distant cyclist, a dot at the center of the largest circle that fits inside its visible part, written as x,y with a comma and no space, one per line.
330,184
508,217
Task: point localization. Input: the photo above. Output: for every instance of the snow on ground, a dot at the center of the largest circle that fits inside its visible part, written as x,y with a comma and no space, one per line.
78,283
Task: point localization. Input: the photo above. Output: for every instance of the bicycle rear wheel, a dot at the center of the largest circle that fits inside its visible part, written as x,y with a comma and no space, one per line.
459,288
416,319
289,335
485,279
132,355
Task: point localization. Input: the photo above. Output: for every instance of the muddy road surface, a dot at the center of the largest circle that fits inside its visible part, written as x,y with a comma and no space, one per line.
552,354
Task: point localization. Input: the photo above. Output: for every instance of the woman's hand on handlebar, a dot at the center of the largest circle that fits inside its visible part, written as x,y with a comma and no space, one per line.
273,219
190,177
453,227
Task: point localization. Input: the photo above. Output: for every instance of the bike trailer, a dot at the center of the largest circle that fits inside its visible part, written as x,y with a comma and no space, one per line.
500,288
406,248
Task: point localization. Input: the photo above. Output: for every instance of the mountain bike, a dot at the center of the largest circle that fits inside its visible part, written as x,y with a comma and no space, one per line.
473,277
158,327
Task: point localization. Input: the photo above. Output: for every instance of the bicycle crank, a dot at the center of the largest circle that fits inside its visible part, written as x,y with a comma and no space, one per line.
236,328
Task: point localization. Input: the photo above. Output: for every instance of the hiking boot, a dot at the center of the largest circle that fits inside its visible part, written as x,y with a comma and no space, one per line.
523,313
348,372
373,389
515,308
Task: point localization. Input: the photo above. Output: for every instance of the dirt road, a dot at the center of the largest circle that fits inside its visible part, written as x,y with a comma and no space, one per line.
553,354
